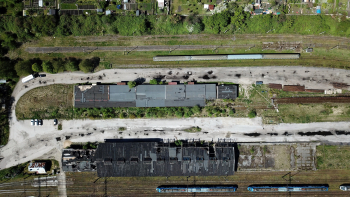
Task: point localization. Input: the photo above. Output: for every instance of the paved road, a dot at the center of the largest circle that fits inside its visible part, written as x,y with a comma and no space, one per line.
29,142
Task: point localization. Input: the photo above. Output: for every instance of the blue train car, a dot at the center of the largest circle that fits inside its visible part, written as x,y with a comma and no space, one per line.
287,188
196,188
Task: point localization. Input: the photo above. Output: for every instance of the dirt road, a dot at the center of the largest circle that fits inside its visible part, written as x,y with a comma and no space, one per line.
28,142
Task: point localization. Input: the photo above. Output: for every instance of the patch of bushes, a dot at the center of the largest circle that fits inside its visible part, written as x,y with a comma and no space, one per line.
193,129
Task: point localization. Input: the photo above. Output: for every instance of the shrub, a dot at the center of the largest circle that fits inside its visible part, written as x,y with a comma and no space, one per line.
252,113
121,129
131,84
153,82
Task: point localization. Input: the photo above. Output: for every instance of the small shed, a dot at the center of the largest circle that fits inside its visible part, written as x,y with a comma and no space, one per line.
211,7
137,12
99,10
2,81
108,12
206,6
160,4
259,82
52,12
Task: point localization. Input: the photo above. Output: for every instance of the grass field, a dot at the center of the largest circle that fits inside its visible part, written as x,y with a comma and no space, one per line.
333,157
53,101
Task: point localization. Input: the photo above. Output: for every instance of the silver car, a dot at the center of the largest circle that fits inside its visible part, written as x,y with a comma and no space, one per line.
32,122
36,122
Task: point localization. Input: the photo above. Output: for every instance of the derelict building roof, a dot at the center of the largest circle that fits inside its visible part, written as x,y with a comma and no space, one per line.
127,159
227,92
143,95
78,160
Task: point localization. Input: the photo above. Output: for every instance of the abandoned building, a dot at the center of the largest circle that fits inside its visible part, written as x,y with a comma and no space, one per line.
117,158
178,95
78,160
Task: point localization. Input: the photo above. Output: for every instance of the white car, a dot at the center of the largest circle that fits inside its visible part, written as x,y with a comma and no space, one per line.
36,122
32,122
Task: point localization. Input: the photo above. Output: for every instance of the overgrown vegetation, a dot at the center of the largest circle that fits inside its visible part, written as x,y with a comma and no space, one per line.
333,157
13,172
193,129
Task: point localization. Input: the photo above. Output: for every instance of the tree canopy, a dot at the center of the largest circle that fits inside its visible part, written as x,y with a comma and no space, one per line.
47,67
86,66
24,68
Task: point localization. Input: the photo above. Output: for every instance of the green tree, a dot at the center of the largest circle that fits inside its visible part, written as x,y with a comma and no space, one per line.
23,68
86,66
9,41
37,68
153,81
131,84
47,67
71,65
58,65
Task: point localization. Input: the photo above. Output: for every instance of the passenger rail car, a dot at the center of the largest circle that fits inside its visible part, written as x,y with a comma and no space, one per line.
227,57
289,188
345,187
196,188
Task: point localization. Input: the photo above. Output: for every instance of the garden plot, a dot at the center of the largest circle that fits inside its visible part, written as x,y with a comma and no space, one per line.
190,7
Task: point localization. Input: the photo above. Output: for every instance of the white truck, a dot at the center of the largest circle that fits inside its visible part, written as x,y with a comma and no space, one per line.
28,78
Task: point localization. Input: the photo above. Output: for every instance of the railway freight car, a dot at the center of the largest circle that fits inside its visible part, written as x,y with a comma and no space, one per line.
172,58
196,188
281,56
288,188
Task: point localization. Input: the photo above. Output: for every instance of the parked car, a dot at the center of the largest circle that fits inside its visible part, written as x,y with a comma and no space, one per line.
32,122
36,122
40,122
55,122
42,75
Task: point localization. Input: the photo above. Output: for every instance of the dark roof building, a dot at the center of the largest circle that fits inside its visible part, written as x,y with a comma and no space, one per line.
227,92
128,159
52,12
144,95
78,160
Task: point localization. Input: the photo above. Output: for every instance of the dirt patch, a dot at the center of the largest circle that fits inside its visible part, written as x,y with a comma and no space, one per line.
264,157
67,143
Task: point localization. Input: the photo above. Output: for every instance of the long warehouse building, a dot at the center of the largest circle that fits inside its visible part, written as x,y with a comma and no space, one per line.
117,158
180,95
